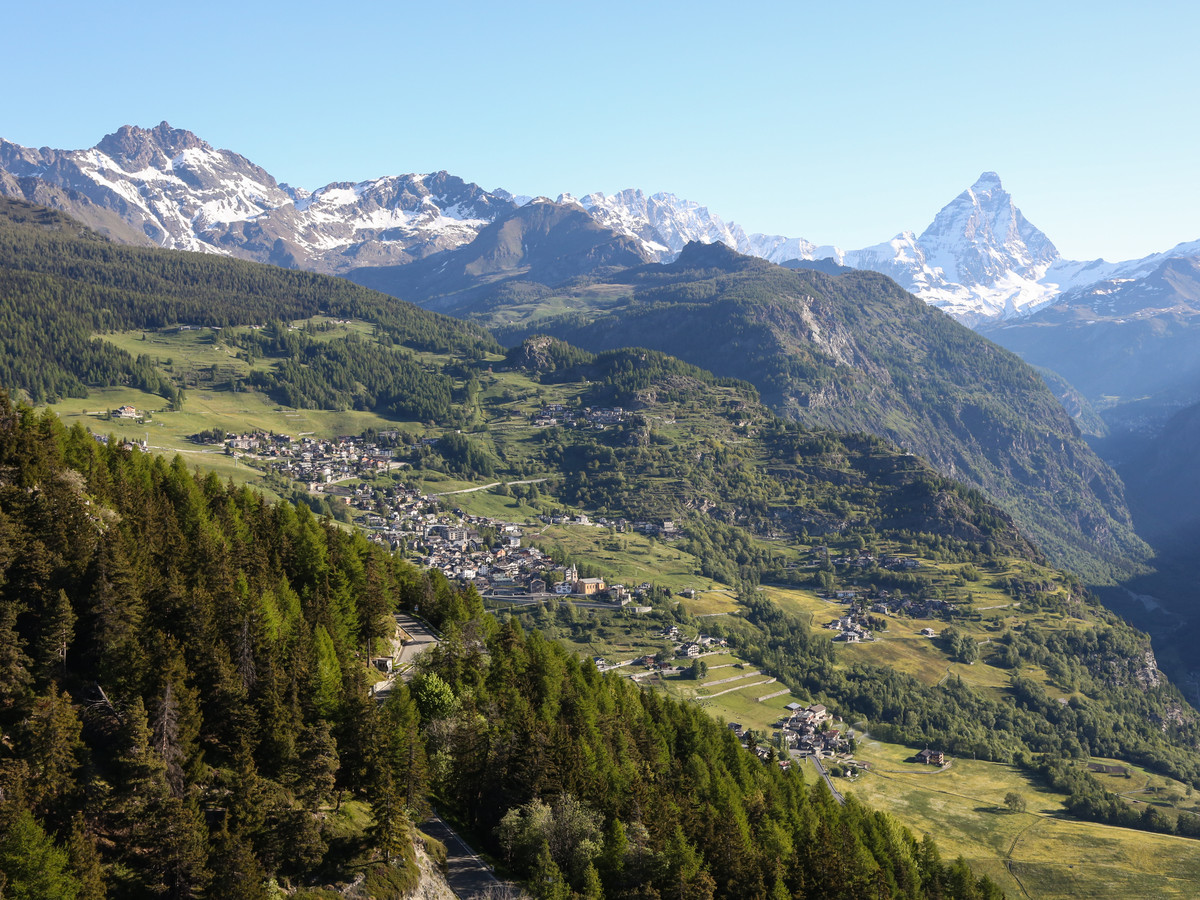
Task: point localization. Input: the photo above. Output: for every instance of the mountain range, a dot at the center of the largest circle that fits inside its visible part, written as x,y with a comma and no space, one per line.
850,352
979,259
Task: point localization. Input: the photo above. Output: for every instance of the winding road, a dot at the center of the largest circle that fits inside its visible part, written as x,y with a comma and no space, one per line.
468,875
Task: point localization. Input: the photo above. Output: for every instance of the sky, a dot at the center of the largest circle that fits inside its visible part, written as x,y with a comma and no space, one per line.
842,123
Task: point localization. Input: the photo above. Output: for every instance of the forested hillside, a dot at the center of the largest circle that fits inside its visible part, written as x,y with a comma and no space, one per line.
60,284
185,713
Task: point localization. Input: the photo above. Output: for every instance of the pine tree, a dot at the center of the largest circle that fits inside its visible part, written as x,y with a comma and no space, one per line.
547,881
34,867
54,745
85,862
237,874
57,633
15,664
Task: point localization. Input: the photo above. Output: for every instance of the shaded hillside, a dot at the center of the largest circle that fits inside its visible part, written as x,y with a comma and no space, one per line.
1131,347
1163,481
857,353
542,242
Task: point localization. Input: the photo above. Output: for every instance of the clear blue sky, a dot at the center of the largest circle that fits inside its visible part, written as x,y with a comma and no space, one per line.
842,122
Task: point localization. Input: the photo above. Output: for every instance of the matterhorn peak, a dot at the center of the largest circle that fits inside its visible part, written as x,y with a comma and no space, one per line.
980,237
987,183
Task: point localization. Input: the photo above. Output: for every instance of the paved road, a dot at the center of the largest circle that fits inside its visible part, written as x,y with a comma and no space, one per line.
468,875
487,487
836,793
422,639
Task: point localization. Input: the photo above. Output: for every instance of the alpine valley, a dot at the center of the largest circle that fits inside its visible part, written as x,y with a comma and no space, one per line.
713,534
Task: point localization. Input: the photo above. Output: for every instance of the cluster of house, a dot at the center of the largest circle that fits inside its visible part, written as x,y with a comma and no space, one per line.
442,539
683,649
666,530
800,732
884,603
317,461
557,414
851,628
864,560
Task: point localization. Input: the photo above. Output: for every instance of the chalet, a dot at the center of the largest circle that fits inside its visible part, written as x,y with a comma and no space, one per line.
690,650
931,757
126,412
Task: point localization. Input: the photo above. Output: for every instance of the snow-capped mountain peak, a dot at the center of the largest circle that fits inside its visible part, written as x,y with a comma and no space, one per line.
979,256
168,187
981,236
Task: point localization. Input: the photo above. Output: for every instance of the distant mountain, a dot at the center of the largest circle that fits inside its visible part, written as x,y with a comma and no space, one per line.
542,243
854,352
166,187
665,224
979,259
979,255
1131,346
166,183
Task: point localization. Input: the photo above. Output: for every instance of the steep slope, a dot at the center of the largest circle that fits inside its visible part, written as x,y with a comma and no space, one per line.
165,182
979,255
1131,346
541,243
663,222
1163,480
855,352
387,221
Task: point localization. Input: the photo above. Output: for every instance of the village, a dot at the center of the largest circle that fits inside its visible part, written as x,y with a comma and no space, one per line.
489,553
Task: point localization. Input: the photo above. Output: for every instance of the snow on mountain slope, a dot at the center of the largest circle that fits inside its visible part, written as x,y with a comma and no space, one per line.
177,191
982,259
387,221
779,249
167,182
662,222
979,259
665,224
